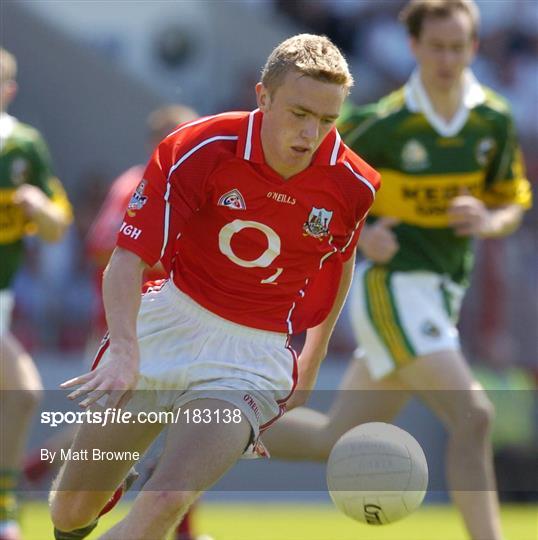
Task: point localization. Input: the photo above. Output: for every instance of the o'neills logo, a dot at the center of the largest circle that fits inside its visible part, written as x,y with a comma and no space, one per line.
252,404
281,197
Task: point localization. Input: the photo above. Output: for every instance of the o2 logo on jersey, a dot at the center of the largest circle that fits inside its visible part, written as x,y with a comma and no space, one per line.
484,150
265,259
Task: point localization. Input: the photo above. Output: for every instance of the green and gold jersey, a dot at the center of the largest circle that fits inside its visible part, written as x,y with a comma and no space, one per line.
24,159
425,162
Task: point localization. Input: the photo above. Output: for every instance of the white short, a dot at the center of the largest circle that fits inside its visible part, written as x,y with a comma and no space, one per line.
6,309
399,316
187,353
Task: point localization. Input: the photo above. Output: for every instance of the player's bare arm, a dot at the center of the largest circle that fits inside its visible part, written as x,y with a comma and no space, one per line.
51,219
119,374
469,216
378,242
317,341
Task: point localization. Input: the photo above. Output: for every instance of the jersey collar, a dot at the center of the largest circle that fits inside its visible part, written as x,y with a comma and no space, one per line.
417,100
7,124
249,145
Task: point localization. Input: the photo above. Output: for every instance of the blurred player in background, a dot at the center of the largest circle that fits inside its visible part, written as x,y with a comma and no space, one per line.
103,233
256,218
32,201
101,242
452,171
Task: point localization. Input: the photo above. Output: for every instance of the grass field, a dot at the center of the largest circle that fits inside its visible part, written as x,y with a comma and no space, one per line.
309,522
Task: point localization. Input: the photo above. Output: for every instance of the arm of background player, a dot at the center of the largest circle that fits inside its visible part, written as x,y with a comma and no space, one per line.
507,195
119,374
42,198
317,341
50,217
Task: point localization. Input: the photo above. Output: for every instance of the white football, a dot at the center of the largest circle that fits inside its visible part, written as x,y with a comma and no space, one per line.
377,473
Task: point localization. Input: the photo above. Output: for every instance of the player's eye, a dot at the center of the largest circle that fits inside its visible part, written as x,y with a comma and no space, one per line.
298,114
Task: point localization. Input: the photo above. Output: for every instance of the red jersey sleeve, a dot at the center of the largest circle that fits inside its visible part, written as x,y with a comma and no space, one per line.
363,182
172,189
348,249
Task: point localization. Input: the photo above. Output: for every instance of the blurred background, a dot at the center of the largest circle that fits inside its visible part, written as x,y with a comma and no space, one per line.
90,72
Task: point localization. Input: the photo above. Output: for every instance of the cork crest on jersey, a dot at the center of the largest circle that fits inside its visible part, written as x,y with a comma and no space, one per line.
317,224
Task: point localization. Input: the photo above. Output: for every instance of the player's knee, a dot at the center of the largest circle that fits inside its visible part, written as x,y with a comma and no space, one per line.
476,423
28,399
23,402
166,506
70,510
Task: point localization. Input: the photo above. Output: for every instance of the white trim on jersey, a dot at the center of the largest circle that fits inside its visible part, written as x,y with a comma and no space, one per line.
336,147
417,100
361,178
196,122
327,255
352,234
248,144
288,320
183,158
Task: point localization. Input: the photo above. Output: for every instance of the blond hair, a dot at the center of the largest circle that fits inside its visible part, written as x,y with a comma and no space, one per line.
8,66
309,54
414,13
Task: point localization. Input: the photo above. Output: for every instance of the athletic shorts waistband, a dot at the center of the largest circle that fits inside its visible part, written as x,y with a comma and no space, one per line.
199,313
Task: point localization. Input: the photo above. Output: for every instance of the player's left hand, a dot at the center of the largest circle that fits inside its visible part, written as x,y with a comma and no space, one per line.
31,199
468,216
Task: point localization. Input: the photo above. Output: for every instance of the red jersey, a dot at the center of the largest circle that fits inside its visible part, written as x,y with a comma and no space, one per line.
239,239
103,232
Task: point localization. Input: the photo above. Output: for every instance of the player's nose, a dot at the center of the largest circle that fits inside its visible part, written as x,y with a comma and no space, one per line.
310,131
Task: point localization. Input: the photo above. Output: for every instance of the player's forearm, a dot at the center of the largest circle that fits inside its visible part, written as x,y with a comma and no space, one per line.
51,222
121,297
317,338
503,221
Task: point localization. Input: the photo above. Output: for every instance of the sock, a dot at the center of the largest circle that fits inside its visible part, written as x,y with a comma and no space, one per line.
8,499
183,530
35,468
77,534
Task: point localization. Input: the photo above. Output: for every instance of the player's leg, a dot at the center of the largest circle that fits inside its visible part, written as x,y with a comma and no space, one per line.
84,485
446,384
195,456
21,388
308,434
414,315
35,468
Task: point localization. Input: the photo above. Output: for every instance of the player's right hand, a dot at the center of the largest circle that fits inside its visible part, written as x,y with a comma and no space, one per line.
378,242
116,377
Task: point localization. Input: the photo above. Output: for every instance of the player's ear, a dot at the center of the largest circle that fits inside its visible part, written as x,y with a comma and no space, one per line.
262,97
413,44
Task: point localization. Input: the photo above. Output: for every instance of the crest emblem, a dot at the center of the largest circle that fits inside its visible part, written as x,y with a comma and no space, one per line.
414,156
233,199
430,329
138,200
484,150
317,224
19,171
